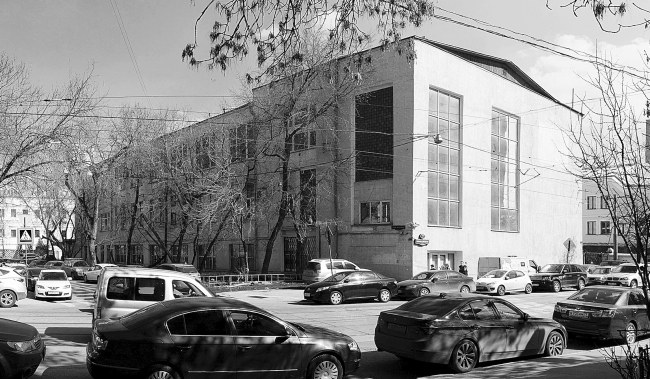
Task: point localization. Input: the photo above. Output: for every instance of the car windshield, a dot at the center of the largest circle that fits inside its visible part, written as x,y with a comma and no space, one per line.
431,305
495,274
600,270
624,269
552,268
597,295
423,276
337,278
53,276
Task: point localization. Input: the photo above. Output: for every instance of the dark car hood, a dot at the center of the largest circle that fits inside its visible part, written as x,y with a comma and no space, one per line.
411,282
322,284
16,331
318,332
541,274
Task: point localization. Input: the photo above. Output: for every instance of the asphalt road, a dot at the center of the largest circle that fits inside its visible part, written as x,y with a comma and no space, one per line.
66,327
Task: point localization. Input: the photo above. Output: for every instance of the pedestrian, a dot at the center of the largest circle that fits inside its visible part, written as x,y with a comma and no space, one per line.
463,268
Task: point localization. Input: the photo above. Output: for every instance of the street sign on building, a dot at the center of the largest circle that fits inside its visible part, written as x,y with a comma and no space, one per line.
25,236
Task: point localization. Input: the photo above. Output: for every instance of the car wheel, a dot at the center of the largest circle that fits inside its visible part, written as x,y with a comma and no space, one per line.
464,289
634,284
424,291
7,299
501,290
324,367
557,287
554,344
630,333
384,295
336,298
464,357
581,284
162,372
529,288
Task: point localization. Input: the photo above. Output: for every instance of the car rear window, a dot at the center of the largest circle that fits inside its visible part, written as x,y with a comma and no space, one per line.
189,269
430,305
597,295
625,269
314,266
140,289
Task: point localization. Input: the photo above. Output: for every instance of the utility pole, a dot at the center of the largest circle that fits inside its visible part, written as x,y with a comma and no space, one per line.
615,231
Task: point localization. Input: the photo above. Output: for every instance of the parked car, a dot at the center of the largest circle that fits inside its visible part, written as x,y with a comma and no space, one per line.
596,275
93,273
75,268
462,329
21,349
20,268
32,276
486,264
122,290
53,284
603,311
53,264
612,262
626,275
435,281
320,269
228,337
12,287
181,267
559,275
502,281
348,285
37,263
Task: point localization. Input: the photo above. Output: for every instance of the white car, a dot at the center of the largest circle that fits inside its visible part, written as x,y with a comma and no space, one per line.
53,284
626,275
318,270
598,274
13,287
502,281
93,273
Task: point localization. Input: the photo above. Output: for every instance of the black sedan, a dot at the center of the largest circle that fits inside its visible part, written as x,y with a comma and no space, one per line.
605,312
435,281
347,285
216,337
461,330
21,349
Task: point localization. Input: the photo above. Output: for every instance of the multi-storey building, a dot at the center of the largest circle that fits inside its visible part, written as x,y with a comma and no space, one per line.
454,156
16,216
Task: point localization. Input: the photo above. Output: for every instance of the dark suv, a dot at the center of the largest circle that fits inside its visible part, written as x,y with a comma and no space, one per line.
559,275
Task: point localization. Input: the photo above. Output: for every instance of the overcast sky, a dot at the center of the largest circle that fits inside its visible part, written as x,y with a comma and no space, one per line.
57,39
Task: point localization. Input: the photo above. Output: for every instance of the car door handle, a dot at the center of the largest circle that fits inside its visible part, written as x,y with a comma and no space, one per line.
183,348
509,327
475,327
244,348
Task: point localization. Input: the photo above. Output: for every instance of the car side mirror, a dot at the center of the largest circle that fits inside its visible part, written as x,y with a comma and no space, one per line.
526,317
434,279
506,278
346,281
70,279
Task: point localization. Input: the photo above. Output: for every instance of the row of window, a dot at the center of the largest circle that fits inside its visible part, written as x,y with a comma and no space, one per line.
13,233
605,227
596,202
14,213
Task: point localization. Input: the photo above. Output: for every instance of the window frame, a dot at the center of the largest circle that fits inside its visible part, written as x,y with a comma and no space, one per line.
607,226
591,228
382,218
503,189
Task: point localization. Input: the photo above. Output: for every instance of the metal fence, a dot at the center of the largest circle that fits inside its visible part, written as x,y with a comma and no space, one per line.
227,279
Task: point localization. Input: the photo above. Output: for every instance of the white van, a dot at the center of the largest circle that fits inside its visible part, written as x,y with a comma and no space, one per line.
122,290
487,264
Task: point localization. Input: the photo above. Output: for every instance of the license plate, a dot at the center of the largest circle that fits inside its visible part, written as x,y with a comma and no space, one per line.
535,284
307,295
479,288
53,293
612,284
575,314
397,328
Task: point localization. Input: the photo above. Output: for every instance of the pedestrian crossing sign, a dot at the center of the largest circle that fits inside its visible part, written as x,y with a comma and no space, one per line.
25,236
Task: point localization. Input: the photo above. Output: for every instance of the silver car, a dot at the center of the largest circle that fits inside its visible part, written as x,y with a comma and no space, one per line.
318,270
13,287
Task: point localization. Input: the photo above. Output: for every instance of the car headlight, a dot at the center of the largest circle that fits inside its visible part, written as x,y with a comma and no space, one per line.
322,289
66,286
411,286
546,278
40,287
24,346
353,346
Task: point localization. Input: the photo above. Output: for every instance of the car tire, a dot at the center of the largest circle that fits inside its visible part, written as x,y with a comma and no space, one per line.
384,295
464,357
557,287
423,291
528,289
634,284
336,298
630,333
7,299
161,372
501,290
581,284
464,289
555,344
325,366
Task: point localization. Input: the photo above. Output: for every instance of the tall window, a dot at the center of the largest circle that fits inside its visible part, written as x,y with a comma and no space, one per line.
504,168
210,262
305,138
605,227
444,159
135,255
374,212
603,202
308,196
13,213
238,258
373,138
591,202
591,227
242,143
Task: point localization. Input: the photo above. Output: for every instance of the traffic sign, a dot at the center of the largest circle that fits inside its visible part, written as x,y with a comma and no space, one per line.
569,244
25,236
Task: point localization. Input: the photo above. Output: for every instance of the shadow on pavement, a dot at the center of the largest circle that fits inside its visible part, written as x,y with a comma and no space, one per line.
381,365
60,336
